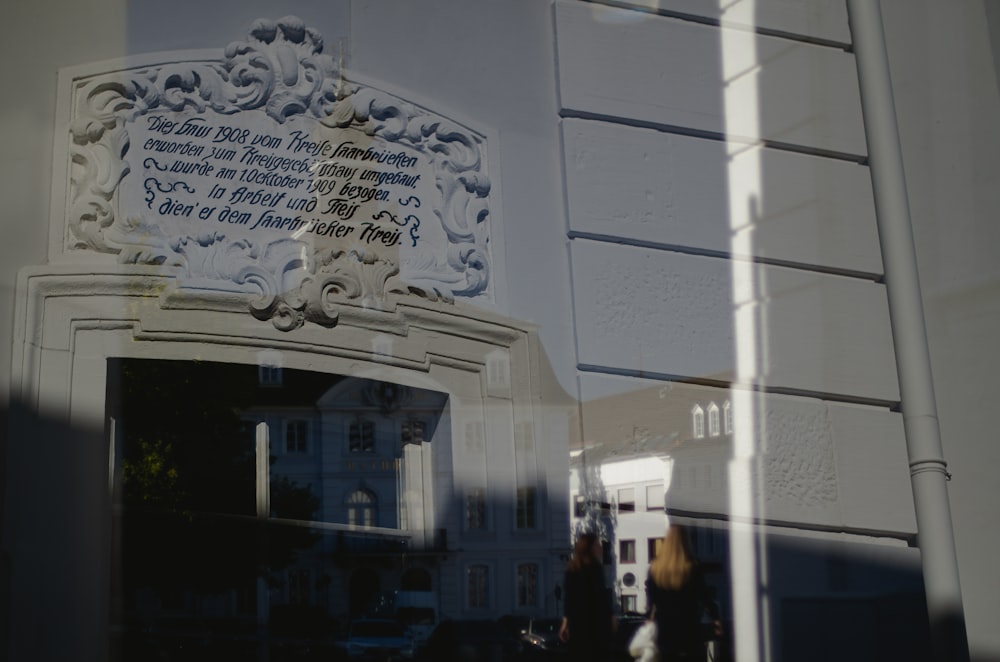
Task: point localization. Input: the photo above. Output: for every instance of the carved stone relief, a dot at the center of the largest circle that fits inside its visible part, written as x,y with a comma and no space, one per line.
270,174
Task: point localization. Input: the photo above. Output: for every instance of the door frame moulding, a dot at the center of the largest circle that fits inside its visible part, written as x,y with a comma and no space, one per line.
70,320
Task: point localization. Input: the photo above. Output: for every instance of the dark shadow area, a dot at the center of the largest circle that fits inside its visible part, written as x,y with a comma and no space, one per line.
222,544
191,562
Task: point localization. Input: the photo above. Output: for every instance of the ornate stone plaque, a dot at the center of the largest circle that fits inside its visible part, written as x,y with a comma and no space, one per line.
269,173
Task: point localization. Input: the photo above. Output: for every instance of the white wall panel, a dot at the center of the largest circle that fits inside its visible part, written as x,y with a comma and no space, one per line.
817,19
873,467
665,188
668,71
666,312
809,469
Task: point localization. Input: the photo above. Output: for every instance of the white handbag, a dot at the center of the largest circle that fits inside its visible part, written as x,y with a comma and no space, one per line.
642,646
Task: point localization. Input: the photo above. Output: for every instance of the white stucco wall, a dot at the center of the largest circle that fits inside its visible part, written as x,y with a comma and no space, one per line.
943,58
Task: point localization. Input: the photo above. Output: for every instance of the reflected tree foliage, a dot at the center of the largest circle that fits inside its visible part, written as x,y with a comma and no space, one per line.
188,480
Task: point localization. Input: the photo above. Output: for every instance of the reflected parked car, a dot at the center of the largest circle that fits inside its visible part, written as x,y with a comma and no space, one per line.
541,640
377,639
471,641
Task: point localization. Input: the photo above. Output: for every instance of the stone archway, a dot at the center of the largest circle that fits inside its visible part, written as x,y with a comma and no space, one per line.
71,323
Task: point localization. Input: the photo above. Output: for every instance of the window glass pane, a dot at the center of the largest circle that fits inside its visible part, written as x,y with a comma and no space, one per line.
478,586
653,547
525,516
626,499
626,551
296,436
527,585
475,509
654,497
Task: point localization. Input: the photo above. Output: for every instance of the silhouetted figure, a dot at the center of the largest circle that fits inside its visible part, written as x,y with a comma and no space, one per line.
677,595
587,619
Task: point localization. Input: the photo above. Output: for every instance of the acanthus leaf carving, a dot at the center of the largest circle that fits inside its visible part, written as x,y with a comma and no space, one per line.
281,72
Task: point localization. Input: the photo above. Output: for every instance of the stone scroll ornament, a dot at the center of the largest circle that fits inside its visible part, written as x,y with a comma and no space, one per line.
268,174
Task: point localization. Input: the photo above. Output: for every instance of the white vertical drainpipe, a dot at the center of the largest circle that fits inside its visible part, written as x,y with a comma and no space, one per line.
928,470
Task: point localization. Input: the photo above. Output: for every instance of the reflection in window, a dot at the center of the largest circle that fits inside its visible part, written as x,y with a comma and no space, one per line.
655,498
727,417
361,436
298,586
626,500
579,506
478,586
525,516
361,508
713,420
475,509
527,585
626,551
653,547
698,422
269,375
296,433
412,432
629,604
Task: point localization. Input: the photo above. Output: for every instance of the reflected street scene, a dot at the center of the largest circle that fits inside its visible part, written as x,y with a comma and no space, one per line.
507,331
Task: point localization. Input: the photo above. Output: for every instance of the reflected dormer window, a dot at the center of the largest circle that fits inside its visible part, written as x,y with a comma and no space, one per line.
727,417
713,420
698,422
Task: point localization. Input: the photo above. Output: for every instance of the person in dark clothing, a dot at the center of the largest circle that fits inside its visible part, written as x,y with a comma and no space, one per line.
588,621
677,596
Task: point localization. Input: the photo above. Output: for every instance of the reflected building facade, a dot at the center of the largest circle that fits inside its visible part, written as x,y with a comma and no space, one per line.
532,282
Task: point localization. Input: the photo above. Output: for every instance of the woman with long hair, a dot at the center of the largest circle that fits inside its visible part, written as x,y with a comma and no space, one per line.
588,620
677,595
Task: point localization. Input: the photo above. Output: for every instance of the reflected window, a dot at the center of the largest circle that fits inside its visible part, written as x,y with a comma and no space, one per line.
478,586
361,508
475,509
698,422
655,497
525,516
412,432
626,500
629,604
296,435
527,585
579,506
727,417
361,436
713,420
653,547
269,375
626,551
298,586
